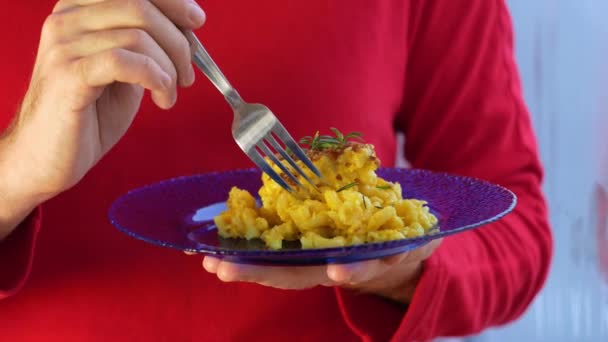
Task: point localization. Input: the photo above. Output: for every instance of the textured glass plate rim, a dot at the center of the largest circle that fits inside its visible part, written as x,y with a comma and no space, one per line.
327,252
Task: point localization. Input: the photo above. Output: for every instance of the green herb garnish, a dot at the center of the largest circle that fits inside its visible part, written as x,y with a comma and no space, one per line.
324,142
347,186
379,206
383,187
364,204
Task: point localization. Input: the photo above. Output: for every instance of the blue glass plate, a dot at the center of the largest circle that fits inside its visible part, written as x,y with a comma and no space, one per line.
178,213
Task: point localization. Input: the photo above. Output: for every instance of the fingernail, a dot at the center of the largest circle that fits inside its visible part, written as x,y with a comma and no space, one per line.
340,273
166,81
210,264
196,14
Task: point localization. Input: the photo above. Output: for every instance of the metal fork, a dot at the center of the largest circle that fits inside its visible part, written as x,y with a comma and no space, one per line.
255,128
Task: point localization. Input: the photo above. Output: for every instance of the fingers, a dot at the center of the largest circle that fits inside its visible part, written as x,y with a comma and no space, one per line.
288,278
356,273
210,264
184,13
66,25
376,275
119,65
134,40
365,271
67,4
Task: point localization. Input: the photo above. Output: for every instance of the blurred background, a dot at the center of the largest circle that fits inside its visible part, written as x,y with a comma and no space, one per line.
562,51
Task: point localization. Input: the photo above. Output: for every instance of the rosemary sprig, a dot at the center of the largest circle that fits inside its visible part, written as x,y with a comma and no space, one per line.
347,186
325,142
308,140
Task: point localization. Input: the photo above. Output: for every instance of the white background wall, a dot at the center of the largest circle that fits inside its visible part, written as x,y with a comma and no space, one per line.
562,51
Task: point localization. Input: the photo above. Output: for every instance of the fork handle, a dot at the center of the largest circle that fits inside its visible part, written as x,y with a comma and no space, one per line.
203,61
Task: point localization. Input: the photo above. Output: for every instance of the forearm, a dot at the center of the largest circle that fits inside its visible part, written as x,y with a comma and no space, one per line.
15,202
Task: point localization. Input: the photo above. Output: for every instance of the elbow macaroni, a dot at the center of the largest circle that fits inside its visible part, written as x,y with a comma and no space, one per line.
353,206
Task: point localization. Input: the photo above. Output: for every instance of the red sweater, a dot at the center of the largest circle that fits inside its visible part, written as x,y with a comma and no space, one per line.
442,72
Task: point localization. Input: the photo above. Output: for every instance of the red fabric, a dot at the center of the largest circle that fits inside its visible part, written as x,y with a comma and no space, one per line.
441,72
16,255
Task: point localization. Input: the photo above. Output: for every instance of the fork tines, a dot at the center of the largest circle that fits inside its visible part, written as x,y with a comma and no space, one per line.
276,138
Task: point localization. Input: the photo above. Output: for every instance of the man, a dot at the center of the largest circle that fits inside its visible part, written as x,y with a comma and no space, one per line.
440,72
